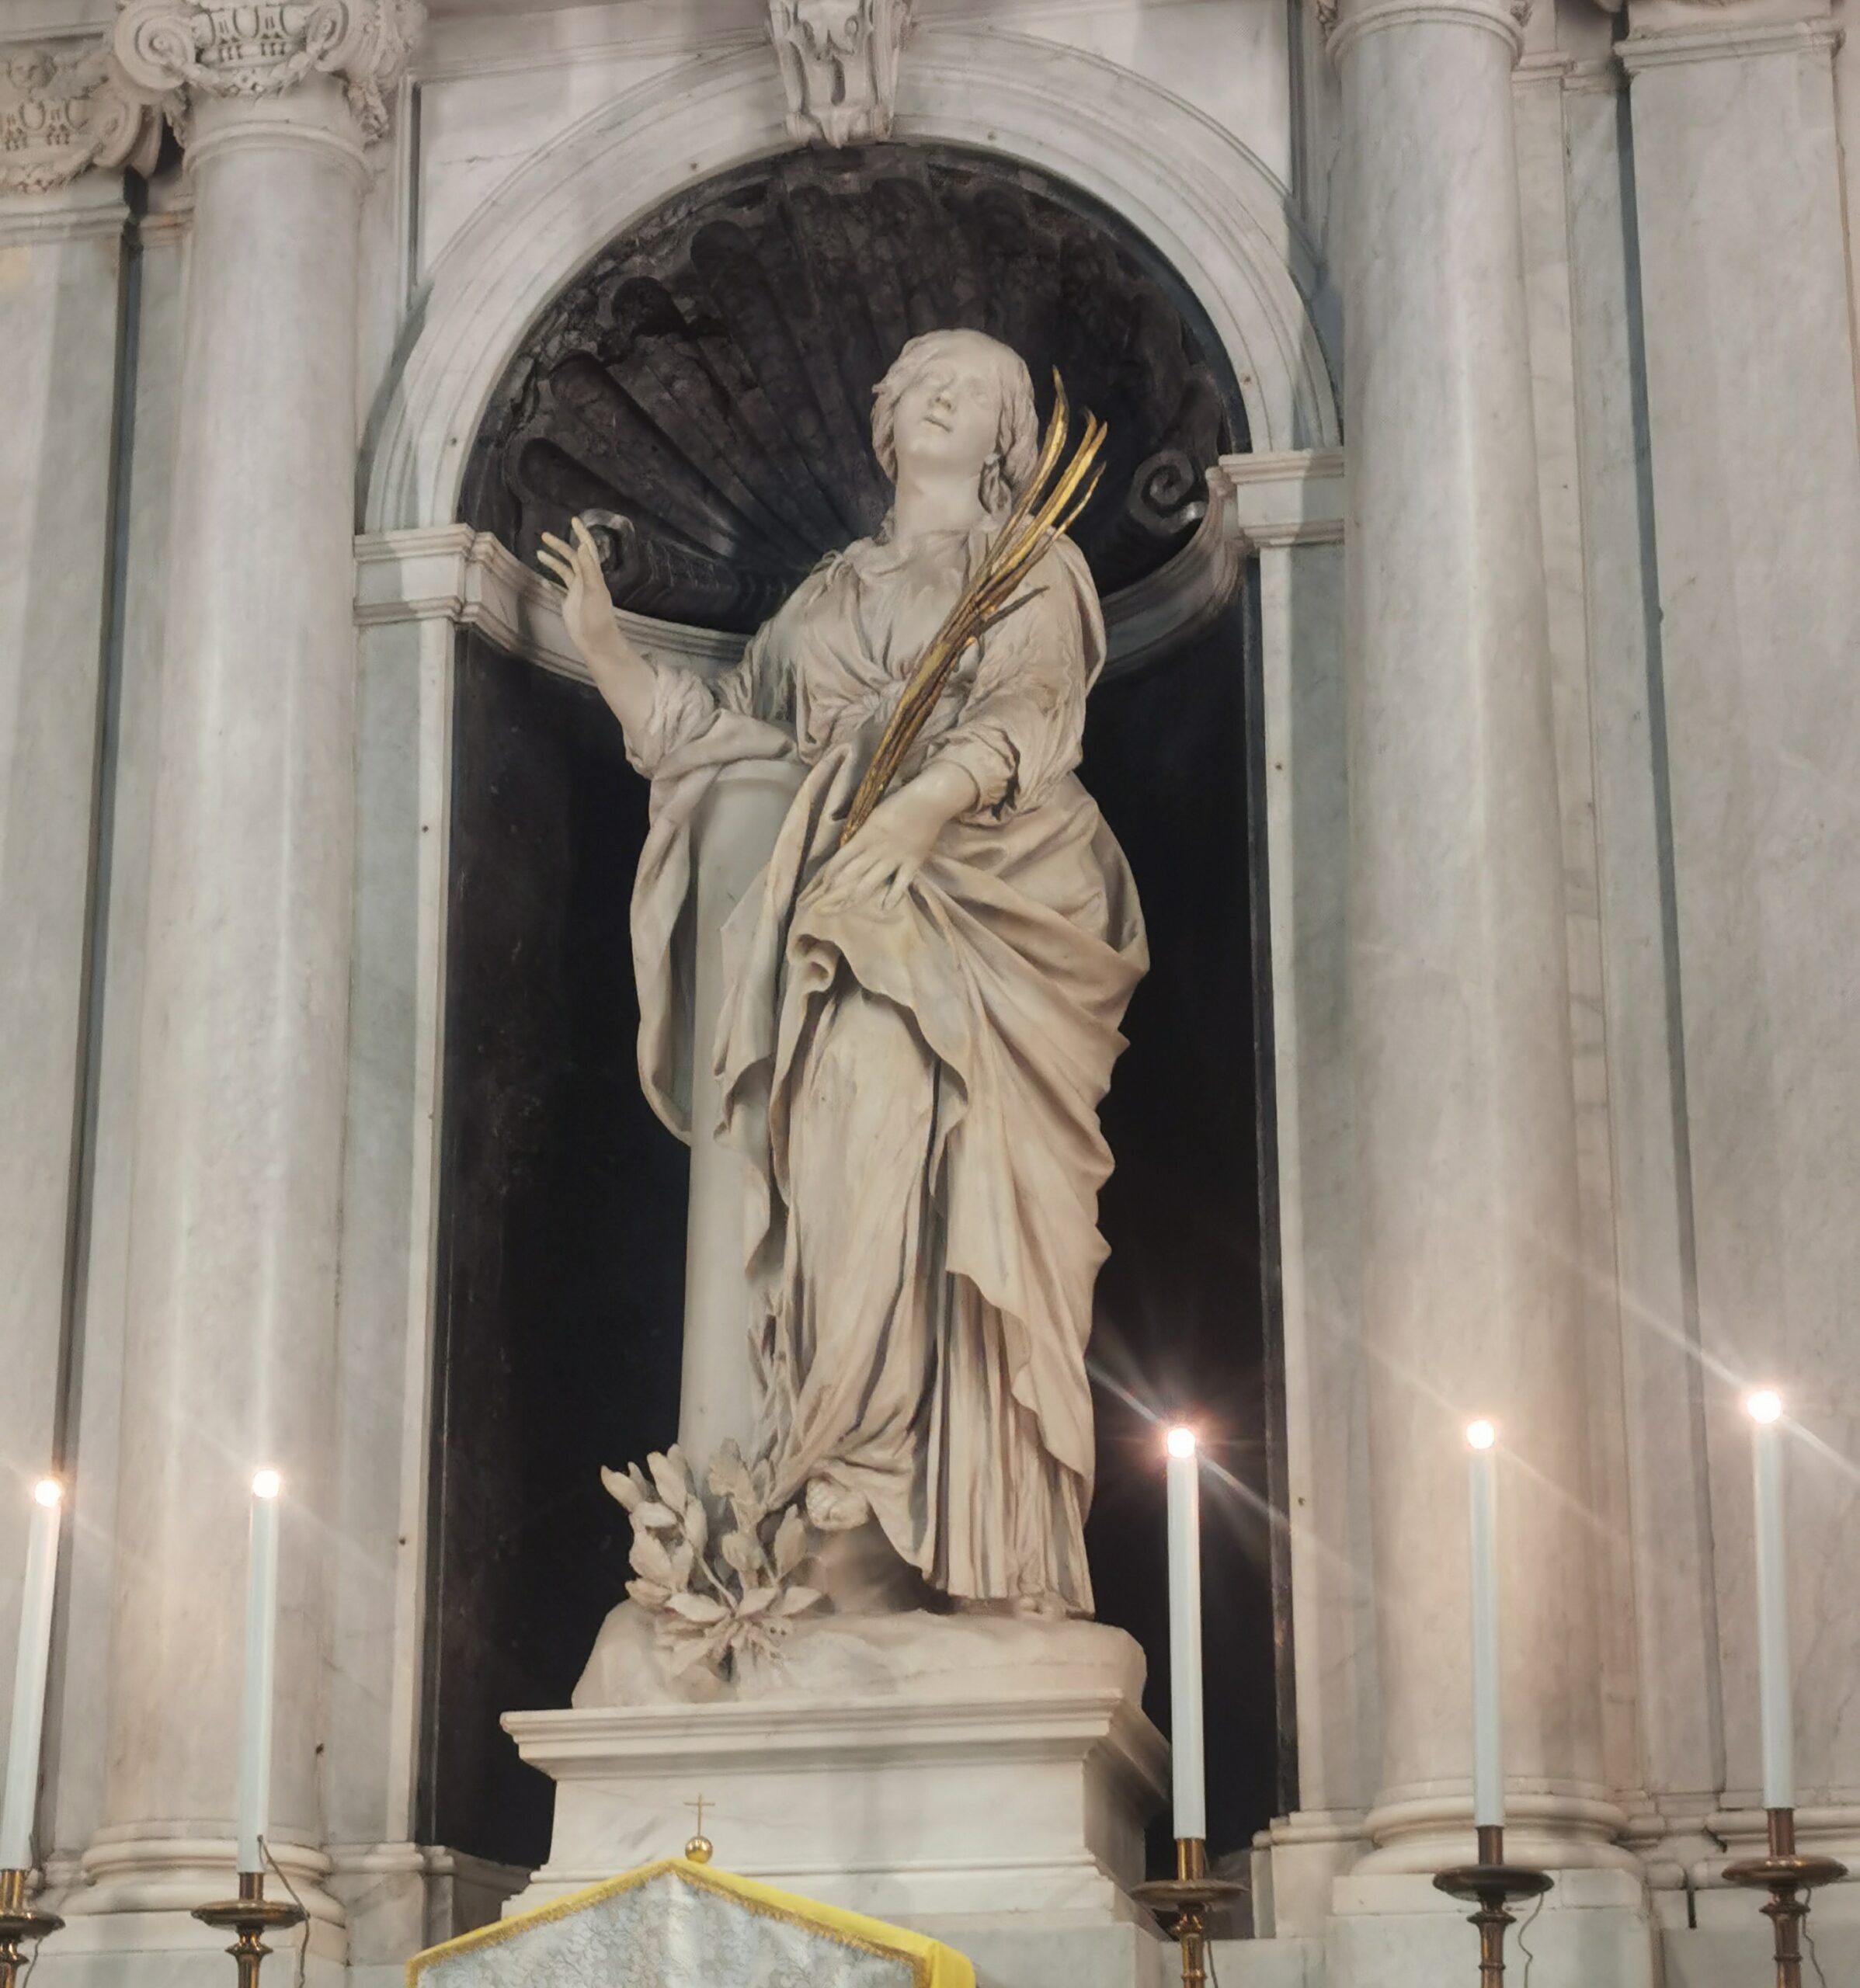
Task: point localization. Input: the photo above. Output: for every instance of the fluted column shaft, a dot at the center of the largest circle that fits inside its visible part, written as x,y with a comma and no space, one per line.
1459,980
230,1354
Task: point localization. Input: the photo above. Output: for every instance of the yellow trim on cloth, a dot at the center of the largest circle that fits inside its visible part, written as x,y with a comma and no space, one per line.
931,1964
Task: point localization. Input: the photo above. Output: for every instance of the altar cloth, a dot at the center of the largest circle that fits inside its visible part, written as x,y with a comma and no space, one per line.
681,1924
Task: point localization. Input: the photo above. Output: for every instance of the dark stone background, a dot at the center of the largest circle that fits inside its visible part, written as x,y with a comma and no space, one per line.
562,1210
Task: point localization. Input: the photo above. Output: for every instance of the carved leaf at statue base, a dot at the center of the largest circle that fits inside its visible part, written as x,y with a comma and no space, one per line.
716,1576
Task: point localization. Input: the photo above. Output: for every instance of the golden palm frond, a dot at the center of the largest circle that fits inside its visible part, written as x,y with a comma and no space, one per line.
1046,508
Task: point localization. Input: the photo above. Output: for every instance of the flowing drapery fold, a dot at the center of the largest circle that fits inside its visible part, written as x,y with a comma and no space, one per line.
916,1090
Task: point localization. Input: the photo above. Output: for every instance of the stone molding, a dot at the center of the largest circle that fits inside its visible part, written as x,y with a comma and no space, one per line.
179,51
1720,38
64,111
1272,502
451,573
838,63
1557,1831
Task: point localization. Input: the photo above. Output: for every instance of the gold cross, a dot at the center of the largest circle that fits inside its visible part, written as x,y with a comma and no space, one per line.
698,1849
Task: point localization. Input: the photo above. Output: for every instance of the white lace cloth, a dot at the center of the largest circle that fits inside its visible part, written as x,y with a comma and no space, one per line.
671,1930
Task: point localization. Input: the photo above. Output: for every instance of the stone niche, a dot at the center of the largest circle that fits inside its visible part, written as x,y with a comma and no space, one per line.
709,376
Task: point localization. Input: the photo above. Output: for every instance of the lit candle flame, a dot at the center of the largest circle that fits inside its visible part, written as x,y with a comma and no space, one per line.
1481,1435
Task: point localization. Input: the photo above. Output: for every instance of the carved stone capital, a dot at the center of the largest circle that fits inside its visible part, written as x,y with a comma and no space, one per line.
183,49
64,111
1341,25
839,66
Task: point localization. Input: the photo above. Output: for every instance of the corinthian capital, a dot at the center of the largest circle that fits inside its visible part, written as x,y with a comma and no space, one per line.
178,49
62,111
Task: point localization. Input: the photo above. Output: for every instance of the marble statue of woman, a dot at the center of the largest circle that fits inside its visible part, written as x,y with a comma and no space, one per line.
920,1021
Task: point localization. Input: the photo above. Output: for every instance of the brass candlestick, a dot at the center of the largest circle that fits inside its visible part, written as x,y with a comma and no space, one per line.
1182,1903
18,1923
252,1915
1492,1884
1782,1874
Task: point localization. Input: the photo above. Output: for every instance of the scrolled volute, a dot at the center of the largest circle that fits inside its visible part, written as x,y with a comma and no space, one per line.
177,51
62,111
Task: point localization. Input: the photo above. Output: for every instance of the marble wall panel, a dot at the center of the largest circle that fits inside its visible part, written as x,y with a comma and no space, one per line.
1757,489
80,1727
1542,91
61,267
1667,1512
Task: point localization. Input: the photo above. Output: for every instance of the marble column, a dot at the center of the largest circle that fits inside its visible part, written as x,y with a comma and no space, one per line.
1745,268
66,129
230,1336
1459,993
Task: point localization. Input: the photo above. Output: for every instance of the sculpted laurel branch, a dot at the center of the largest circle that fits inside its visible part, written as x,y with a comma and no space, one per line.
712,1561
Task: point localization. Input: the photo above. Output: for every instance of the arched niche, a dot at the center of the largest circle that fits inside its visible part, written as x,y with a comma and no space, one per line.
1203,208
1192,190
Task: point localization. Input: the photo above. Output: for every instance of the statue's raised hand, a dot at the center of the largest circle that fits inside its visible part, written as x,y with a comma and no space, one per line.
588,611
620,673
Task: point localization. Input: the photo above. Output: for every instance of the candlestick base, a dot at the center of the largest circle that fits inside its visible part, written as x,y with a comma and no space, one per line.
1782,1874
1492,1884
251,1915
19,1926
1182,1903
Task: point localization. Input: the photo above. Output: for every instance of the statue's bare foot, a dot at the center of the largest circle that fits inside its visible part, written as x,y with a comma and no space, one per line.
833,1507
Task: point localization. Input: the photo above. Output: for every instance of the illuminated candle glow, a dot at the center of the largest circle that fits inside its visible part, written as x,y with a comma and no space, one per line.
261,1656
22,1795
1488,1729
1186,1743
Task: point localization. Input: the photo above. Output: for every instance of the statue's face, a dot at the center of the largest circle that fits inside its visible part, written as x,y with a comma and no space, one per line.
948,418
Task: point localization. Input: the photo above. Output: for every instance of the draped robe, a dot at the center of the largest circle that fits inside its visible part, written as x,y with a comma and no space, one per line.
916,1090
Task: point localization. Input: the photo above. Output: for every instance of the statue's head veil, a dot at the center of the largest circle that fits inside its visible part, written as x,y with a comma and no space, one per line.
1010,469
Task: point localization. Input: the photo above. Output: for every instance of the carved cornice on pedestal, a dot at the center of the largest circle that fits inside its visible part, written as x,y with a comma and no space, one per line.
63,112
839,66
173,50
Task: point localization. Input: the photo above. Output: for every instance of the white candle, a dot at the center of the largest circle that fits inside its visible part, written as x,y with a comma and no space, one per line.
1765,1410
1185,1739
261,1652
21,1796
1488,1729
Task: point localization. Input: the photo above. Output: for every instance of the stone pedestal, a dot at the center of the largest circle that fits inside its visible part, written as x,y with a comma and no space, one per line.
974,1767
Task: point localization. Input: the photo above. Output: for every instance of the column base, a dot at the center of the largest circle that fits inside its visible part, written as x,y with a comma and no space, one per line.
133,1922
136,1871
1419,1835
